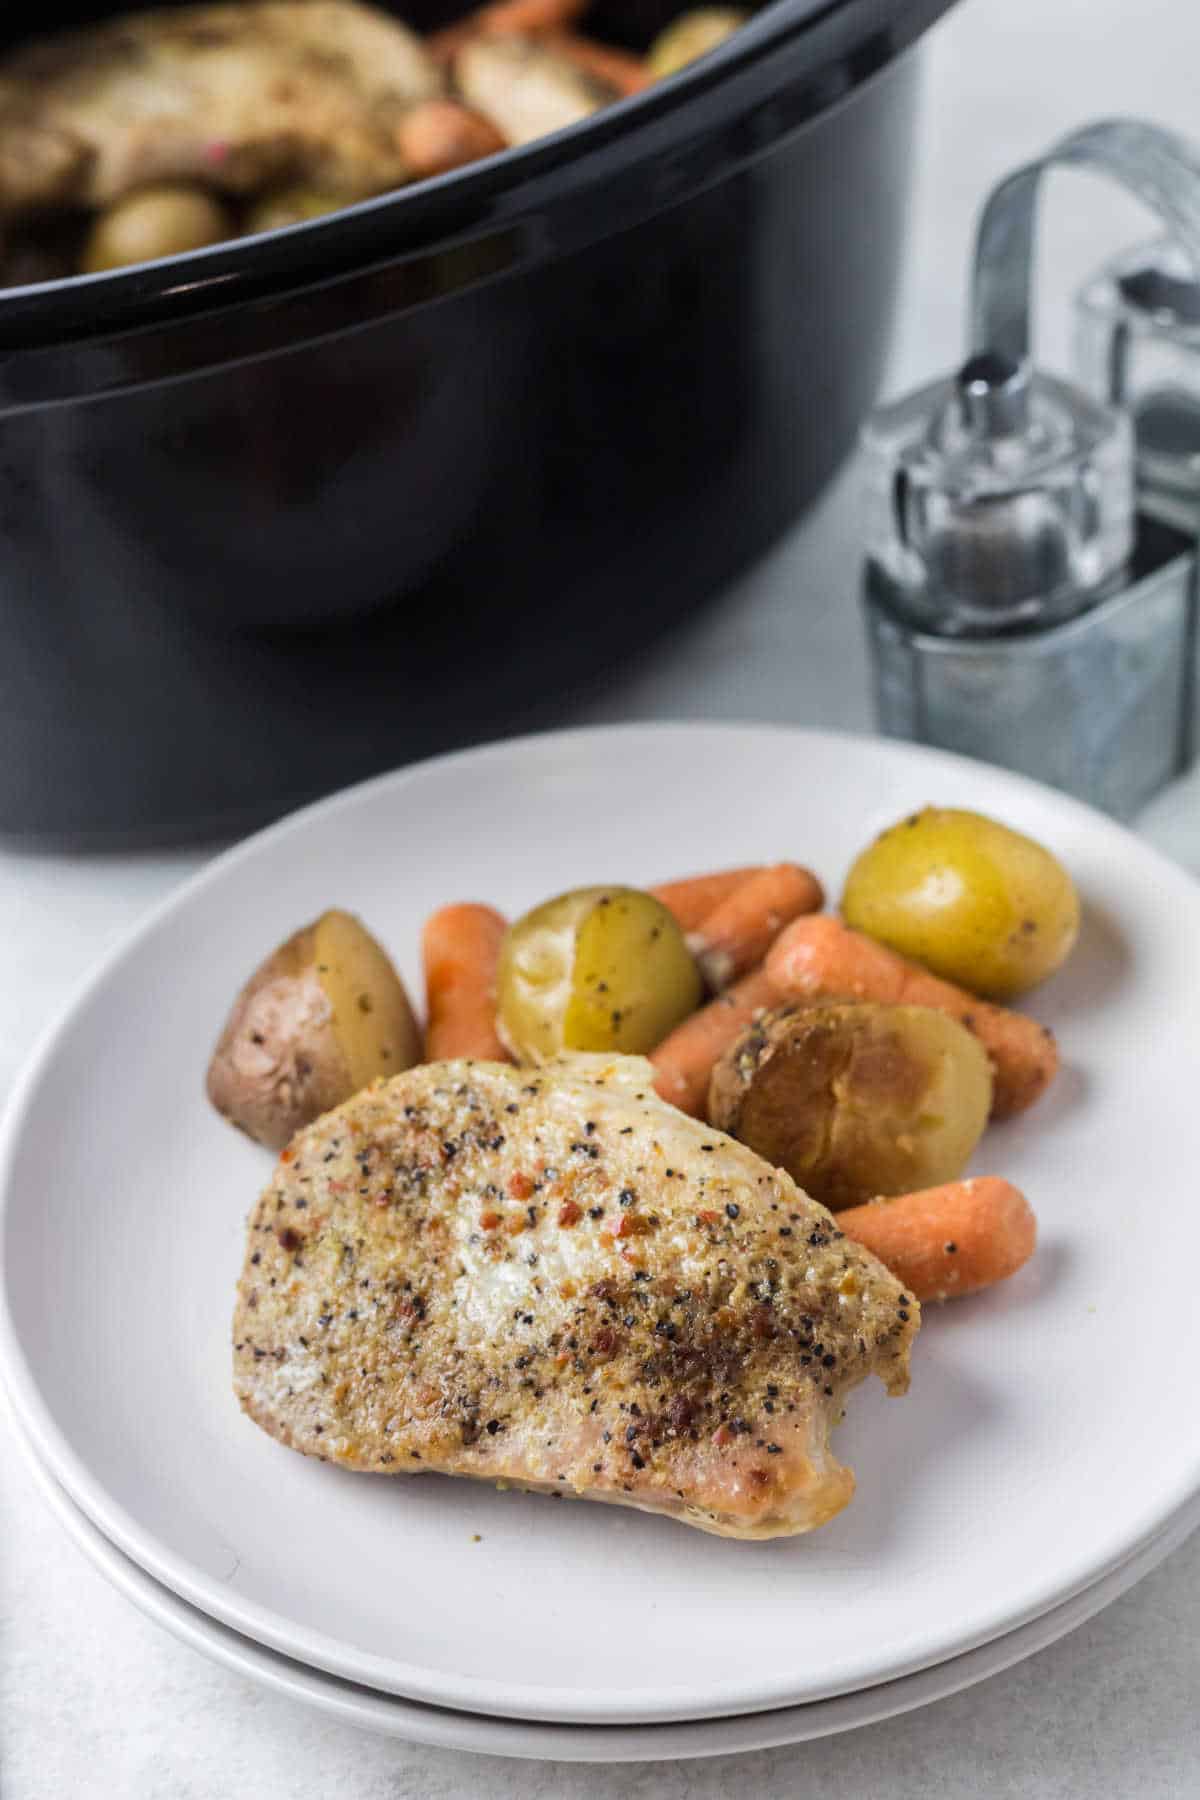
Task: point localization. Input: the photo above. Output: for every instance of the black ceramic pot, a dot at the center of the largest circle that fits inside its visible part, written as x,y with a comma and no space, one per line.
285,512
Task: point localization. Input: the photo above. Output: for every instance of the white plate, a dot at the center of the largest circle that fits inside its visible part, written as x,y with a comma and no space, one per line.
1048,1435
390,1716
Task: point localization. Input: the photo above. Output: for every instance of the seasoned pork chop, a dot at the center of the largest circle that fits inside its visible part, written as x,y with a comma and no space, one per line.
237,96
552,1279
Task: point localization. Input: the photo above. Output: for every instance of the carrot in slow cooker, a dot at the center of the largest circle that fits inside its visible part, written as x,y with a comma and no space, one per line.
620,69
504,18
437,135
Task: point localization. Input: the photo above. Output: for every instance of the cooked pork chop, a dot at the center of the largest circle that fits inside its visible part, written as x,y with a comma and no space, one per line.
554,1280
237,96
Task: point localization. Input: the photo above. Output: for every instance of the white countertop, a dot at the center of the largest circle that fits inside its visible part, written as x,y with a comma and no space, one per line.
94,1701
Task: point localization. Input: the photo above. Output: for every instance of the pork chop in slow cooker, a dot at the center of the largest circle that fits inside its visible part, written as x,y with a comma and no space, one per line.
235,97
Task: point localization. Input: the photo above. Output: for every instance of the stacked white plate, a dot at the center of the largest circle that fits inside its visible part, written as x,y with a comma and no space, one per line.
1045,1458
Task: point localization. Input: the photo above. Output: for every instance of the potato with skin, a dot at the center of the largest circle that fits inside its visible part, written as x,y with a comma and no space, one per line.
166,220
854,1099
692,35
601,968
289,206
324,1016
973,901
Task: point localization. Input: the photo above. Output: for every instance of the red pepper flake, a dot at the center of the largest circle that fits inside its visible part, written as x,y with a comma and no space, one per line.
520,1186
286,1156
722,1436
216,151
569,1213
708,1217
488,1221
632,1225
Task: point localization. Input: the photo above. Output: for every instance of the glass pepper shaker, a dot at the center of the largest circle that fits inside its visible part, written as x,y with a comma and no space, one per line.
1137,346
1021,605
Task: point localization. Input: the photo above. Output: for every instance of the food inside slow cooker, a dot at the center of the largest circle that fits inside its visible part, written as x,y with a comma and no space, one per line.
157,133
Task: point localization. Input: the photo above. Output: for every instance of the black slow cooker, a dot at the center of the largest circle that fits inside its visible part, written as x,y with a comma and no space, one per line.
287,511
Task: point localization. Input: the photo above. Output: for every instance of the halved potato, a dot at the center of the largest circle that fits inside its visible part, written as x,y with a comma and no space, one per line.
855,1099
603,968
324,1015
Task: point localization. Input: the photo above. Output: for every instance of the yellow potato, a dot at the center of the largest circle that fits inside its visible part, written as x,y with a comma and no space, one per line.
165,220
977,903
289,206
855,1099
325,1015
602,968
691,35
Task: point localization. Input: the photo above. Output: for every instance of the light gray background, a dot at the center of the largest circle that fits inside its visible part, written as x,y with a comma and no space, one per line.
94,1701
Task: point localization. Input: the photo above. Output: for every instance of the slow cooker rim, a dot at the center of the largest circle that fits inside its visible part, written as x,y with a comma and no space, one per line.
291,258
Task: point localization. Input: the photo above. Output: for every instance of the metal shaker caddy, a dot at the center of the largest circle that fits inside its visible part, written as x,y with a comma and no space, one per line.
1031,577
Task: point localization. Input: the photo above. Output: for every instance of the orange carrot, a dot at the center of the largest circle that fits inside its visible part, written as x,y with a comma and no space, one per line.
460,947
503,18
437,135
621,70
740,930
948,1240
816,959
693,899
684,1060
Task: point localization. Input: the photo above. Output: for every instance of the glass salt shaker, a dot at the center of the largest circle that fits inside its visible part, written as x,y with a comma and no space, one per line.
1022,605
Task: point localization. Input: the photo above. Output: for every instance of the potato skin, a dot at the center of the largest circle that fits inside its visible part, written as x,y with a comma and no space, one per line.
692,35
854,1099
322,1017
975,902
277,1064
166,220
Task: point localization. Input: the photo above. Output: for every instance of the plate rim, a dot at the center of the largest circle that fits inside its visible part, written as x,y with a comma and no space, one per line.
456,1691
477,1734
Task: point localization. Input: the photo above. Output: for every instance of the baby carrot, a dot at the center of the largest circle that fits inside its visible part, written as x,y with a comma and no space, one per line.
740,930
685,1059
821,958
437,135
693,899
626,73
949,1240
460,947
504,18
